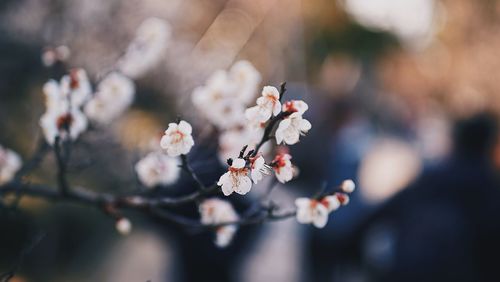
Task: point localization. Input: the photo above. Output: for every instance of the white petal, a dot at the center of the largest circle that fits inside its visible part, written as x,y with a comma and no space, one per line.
185,127
245,185
333,203
320,216
238,163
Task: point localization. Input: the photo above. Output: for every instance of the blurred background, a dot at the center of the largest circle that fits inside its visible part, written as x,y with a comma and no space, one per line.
403,96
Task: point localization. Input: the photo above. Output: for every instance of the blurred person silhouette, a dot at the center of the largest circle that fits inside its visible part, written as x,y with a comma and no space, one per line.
446,225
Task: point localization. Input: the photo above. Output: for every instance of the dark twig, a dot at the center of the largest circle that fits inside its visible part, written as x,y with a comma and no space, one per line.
5,277
187,168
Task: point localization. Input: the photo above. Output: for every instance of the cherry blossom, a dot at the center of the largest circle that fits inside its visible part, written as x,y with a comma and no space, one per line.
76,87
216,211
236,179
146,49
348,186
316,211
10,163
177,139
290,129
224,97
245,79
157,169
293,106
114,95
283,167
258,167
267,105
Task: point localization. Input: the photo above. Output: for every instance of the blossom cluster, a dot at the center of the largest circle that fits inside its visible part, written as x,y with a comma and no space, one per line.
71,102
228,99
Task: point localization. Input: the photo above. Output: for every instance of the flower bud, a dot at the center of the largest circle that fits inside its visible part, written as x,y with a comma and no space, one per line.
348,186
123,226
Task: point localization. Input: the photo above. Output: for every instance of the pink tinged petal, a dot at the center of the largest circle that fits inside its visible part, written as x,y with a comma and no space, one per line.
245,184
185,127
320,216
333,203
252,113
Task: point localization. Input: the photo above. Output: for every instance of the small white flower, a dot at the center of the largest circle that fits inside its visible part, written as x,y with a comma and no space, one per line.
257,166
283,167
123,226
114,95
245,79
348,186
290,129
295,106
215,211
157,169
76,87
315,211
177,139
267,105
66,125
236,179
10,163
147,48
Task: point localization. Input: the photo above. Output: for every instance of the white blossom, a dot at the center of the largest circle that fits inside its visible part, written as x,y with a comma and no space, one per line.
10,163
157,169
293,106
223,98
236,179
315,211
146,49
290,129
76,87
177,139
267,105
215,211
231,141
348,186
258,167
217,101
283,167
123,226
245,79
115,93
66,125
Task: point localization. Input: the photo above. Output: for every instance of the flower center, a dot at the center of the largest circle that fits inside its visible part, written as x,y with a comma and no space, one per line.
64,121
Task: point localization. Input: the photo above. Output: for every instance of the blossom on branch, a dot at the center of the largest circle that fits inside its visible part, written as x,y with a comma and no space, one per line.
283,167
267,105
223,98
348,186
215,211
291,128
115,93
236,179
316,211
157,169
146,49
76,87
10,163
177,139
258,167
